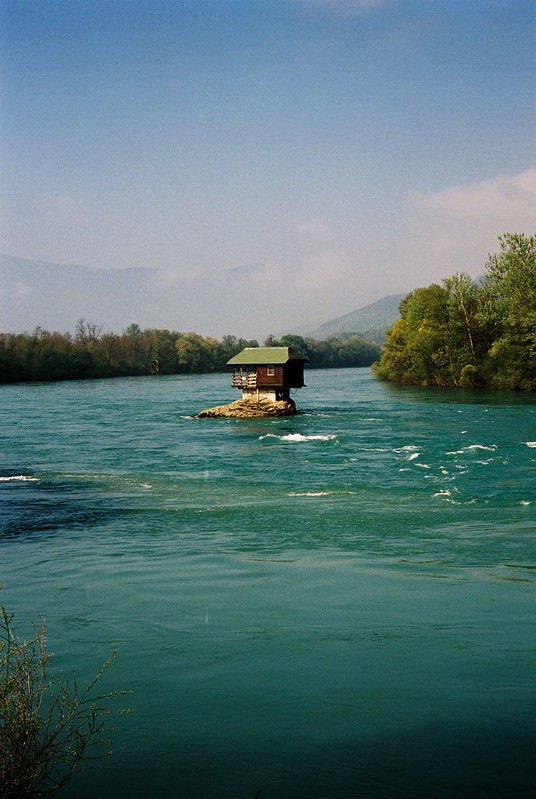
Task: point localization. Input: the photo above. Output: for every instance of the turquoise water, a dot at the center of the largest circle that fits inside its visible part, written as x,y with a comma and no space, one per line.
338,604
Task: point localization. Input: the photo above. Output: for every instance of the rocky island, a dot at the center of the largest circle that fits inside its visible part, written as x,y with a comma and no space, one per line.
250,408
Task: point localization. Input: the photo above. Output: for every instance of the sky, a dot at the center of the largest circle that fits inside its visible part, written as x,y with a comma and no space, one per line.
321,153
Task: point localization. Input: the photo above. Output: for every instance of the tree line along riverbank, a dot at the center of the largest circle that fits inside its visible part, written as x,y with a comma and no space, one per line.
89,353
470,333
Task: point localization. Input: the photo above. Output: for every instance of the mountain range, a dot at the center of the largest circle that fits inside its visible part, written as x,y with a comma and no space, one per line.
55,296
371,322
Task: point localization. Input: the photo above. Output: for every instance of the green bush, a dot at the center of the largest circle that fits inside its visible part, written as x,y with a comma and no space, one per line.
46,722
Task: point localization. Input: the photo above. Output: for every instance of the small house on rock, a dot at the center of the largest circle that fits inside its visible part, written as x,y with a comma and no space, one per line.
267,372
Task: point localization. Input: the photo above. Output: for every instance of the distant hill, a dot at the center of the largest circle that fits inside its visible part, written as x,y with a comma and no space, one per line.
370,322
55,296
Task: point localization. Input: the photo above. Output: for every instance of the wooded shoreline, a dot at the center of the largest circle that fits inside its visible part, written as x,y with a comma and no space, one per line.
42,355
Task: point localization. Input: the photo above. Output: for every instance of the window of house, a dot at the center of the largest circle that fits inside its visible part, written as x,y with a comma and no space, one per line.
270,371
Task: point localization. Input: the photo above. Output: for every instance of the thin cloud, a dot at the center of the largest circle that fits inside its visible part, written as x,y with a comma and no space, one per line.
455,228
506,200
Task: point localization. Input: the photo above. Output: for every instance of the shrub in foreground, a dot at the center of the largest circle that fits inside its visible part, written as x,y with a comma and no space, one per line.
46,722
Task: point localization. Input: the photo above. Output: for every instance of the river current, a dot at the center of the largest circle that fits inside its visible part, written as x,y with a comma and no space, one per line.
337,604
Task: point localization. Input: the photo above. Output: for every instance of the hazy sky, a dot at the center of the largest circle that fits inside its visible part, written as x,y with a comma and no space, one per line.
335,150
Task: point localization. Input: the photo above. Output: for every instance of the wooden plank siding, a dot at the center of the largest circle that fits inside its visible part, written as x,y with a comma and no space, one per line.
264,379
289,375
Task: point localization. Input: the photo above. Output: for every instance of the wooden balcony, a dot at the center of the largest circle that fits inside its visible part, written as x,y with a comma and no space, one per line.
244,380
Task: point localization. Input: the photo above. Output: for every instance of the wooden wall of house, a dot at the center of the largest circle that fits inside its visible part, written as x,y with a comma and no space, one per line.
264,379
289,375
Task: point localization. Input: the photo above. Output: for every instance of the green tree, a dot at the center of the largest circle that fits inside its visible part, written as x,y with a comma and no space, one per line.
395,363
509,309
196,353
463,295
296,342
161,348
468,336
426,313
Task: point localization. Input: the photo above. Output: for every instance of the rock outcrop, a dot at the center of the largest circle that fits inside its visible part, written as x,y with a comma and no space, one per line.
250,409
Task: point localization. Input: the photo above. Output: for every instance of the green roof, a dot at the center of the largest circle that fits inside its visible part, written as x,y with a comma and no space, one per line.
253,356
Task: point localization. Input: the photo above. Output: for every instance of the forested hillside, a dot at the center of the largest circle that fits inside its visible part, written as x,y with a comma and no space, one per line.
467,333
370,322
42,355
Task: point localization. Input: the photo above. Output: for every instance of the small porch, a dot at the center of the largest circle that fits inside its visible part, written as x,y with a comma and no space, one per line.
244,379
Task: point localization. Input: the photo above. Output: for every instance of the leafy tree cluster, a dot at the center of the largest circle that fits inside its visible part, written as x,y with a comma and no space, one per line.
470,333
332,352
90,353
42,355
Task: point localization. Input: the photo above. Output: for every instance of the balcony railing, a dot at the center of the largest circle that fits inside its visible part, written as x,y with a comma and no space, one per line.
246,380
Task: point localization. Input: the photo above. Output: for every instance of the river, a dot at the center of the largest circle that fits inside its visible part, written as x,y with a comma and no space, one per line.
336,604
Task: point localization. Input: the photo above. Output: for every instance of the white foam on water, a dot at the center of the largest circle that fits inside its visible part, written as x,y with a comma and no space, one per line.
525,502
531,444
407,448
309,493
447,495
319,493
471,447
19,478
293,437
413,456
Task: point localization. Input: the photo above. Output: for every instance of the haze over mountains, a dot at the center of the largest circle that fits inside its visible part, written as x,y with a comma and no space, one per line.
369,322
238,301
